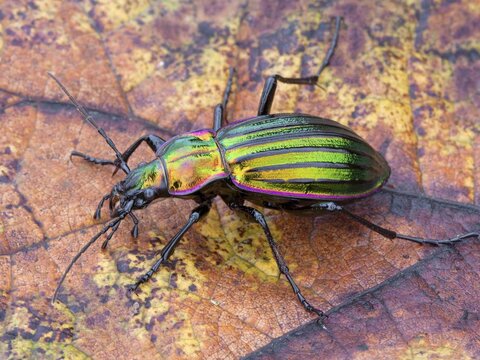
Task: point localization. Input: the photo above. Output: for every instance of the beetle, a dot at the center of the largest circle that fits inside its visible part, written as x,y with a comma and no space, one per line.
292,162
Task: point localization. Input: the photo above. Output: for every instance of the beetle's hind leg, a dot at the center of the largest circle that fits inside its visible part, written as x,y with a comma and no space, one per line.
260,219
330,206
220,112
270,86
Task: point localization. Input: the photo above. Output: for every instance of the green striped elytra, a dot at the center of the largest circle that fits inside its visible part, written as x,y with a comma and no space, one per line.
291,162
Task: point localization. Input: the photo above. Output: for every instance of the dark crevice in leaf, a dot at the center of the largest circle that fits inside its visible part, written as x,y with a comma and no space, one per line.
35,102
131,114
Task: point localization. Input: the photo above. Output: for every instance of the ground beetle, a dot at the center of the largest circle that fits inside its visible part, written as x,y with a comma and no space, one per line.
290,162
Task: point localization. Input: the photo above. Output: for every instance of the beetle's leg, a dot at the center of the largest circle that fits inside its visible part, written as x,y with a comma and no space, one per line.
220,112
92,159
389,233
88,118
260,219
98,212
195,215
135,225
270,86
153,141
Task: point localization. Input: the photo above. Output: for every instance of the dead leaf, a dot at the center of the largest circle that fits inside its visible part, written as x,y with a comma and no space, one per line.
404,76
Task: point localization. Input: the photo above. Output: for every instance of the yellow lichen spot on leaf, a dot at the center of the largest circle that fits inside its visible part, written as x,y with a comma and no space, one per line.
79,23
211,228
250,246
393,81
164,320
187,272
106,275
171,5
23,349
198,91
24,346
116,13
141,59
419,348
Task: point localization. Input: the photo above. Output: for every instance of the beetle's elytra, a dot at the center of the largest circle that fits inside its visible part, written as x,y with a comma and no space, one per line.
290,162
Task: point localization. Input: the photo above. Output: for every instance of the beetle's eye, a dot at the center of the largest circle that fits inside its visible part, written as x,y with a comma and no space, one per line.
149,193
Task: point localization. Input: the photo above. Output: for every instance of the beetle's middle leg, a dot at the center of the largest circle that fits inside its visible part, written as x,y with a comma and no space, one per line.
268,93
331,206
260,219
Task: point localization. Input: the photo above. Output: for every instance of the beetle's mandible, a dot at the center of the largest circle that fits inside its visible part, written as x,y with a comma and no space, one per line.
291,162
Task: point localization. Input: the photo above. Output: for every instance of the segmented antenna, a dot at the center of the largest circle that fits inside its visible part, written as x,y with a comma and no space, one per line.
88,118
111,225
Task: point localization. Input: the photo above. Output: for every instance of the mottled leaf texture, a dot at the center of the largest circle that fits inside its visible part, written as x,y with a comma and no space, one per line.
405,76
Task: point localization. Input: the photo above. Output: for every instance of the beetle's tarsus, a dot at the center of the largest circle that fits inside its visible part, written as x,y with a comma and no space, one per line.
321,321
133,288
143,279
135,231
91,159
451,241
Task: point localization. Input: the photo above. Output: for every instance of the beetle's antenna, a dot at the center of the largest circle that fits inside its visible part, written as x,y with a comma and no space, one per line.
88,118
112,225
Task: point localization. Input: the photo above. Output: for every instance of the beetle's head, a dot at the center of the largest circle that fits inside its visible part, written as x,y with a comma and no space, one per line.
141,186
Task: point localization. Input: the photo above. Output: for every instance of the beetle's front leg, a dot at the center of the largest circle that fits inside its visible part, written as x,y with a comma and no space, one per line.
260,219
195,216
153,141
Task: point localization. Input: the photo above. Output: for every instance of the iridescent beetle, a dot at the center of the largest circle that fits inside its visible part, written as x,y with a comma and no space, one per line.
291,162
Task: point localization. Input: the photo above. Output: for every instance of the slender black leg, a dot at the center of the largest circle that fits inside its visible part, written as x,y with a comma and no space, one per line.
260,219
220,112
92,159
330,206
218,115
135,225
98,212
153,141
195,216
270,86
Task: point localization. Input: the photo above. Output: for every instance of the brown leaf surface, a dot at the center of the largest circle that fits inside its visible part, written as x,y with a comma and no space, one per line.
405,76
